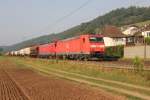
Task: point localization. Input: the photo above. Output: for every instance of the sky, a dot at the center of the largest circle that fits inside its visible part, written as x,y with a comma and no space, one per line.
25,19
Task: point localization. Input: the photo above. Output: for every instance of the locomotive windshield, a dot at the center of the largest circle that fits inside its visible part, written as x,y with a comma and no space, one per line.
96,39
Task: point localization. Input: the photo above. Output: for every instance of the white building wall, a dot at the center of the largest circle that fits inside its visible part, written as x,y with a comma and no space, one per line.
146,33
120,41
132,52
130,31
108,41
114,41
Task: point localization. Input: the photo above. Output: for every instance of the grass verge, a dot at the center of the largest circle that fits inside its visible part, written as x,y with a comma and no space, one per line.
76,71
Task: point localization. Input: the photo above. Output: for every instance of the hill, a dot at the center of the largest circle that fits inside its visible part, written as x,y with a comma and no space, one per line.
142,23
118,17
2,49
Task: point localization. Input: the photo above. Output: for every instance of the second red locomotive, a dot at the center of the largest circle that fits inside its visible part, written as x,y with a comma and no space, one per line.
80,47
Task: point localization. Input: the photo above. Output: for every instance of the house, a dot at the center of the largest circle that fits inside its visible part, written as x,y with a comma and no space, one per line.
142,34
135,35
135,39
131,30
146,33
113,36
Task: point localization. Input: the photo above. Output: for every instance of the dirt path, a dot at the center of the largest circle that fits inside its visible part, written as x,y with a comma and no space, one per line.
25,84
104,80
52,88
60,73
93,78
9,89
135,94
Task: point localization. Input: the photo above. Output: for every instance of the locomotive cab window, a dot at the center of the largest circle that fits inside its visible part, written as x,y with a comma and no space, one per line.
96,39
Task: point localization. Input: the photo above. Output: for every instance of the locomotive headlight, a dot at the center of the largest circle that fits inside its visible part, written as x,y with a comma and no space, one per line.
97,46
93,46
101,46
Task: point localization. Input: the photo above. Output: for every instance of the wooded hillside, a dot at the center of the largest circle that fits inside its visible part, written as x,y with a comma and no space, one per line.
118,17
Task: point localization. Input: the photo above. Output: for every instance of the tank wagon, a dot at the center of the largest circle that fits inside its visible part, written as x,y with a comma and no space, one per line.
15,53
12,53
27,51
21,52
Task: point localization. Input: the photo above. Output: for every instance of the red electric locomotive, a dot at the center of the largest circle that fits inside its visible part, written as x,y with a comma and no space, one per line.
81,47
46,50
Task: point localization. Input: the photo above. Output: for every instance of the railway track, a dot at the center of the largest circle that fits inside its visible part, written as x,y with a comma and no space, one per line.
120,64
114,64
10,89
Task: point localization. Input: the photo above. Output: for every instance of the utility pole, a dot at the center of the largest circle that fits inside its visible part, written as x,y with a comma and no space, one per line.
144,49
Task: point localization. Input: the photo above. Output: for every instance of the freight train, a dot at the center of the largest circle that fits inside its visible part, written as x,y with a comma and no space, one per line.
81,47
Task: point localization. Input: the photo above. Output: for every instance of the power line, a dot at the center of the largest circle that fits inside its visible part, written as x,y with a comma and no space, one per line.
69,14
50,26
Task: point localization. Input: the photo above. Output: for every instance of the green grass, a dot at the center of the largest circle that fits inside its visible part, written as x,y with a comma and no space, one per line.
101,82
92,70
2,58
142,23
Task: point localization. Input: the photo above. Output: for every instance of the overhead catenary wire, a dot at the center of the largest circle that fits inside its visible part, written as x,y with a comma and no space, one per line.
69,14
73,12
54,24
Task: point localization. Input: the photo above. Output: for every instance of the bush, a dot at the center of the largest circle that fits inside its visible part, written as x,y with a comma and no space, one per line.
115,51
138,65
139,68
0,54
147,40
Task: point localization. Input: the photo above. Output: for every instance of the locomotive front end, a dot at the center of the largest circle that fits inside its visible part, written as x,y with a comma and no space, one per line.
97,46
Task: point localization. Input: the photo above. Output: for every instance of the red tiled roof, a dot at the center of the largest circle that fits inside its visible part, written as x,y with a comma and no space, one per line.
112,31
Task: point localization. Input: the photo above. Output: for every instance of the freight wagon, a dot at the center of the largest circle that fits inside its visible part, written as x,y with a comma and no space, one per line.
16,53
34,51
21,52
27,51
12,53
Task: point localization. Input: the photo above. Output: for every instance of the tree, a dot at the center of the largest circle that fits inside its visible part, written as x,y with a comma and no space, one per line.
1,50
147,40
